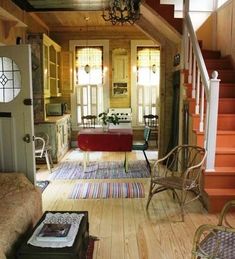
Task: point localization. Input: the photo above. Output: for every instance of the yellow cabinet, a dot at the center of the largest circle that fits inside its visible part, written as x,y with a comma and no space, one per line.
67,86
45,71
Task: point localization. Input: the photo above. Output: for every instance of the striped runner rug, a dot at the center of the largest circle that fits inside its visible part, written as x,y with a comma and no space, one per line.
70,170
107,190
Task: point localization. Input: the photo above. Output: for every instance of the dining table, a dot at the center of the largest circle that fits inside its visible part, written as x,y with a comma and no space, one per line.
111,140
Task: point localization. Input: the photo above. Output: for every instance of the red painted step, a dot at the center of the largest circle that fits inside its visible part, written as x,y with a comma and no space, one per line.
225,156
224,138
216,198
167,12
226,76
226,105
223,177
222,63
210,54
226,90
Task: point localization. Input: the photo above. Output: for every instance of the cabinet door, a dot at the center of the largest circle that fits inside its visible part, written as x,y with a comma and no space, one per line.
120,68
46,71
66,73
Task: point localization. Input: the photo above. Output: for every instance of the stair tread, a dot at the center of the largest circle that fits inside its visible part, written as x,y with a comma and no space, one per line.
220,191
220,132
226,150
221,170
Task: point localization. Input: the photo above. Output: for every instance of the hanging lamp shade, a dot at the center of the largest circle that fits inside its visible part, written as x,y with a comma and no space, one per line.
87,68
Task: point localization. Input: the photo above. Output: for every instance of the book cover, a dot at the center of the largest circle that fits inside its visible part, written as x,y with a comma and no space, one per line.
54,232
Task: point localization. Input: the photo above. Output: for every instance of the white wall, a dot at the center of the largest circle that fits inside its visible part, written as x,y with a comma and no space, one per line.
200,10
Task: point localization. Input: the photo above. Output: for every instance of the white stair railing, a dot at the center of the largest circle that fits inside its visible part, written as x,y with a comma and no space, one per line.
204,90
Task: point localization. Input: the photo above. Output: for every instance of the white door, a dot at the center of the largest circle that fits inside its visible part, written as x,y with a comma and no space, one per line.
16,111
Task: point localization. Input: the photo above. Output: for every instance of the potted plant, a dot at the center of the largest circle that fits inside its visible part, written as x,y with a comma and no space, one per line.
106,119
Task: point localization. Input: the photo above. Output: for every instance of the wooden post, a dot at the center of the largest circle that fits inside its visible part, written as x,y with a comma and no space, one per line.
212,121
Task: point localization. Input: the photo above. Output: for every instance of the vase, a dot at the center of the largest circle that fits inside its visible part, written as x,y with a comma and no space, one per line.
105,127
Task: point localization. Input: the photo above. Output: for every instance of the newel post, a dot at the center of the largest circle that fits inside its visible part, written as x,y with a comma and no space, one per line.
212,115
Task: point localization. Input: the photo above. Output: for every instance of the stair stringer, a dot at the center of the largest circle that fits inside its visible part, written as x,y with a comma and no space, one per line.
218,185
158,25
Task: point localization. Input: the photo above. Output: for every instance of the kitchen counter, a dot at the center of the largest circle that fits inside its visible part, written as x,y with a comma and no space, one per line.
54,119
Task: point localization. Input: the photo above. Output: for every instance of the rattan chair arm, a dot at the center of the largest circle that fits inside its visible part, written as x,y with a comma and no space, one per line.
202,230
225,210
195,166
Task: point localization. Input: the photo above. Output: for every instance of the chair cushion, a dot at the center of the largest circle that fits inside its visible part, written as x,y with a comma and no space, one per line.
140,145
219,243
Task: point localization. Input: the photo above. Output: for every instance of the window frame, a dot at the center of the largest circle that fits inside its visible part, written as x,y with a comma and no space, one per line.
106,93
134,97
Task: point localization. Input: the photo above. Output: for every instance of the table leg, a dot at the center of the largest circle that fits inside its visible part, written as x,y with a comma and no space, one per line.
126,162
85,160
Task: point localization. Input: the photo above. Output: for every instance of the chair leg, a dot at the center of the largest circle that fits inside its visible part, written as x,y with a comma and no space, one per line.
47,161
50,159
147,161
150,195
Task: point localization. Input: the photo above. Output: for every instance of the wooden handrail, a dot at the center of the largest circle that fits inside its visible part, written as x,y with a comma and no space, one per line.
198,54
202,85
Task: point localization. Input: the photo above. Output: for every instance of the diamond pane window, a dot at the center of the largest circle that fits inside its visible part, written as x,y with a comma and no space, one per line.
10,80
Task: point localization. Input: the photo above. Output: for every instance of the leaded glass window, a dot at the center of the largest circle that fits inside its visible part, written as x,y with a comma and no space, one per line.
10,80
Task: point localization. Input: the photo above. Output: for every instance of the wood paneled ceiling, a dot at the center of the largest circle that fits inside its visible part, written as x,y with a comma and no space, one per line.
69,15
62,5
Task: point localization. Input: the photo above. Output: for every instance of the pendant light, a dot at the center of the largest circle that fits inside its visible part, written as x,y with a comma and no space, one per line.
87,67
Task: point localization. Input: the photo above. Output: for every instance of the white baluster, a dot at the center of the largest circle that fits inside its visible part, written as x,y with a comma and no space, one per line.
212,121
197,92
190,63
201,124
194,78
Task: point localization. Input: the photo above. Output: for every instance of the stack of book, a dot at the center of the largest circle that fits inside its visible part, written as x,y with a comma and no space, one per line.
54,232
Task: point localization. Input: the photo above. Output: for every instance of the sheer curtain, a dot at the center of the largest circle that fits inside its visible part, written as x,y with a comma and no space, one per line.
148,73
89,86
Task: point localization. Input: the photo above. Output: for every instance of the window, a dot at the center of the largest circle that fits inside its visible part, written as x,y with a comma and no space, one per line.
10,80
89,83
148,72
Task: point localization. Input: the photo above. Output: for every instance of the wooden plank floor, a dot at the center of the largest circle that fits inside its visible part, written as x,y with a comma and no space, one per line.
124,228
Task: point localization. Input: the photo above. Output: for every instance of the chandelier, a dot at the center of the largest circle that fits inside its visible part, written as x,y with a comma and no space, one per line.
122,11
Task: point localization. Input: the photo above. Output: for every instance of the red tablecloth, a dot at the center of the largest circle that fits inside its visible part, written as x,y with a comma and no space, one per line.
98,140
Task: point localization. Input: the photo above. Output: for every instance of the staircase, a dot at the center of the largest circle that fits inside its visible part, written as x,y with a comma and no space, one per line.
219,186
166,12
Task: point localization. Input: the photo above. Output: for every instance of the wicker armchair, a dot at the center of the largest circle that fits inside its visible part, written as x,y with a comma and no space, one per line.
216,241
179,171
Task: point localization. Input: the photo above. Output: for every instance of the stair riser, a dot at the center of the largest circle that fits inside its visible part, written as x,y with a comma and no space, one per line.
225,106
225,76
218,65
223,123
222,140
167,12
216,203
220,181
224,159
224,91
210,54
227,91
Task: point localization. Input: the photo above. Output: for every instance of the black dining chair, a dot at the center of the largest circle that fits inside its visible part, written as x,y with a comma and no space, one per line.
89,121
151,121
143,145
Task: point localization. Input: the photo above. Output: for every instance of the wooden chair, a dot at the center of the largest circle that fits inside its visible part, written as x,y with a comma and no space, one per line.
143,145
43,148
151,121
179,171
216,241
89,121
